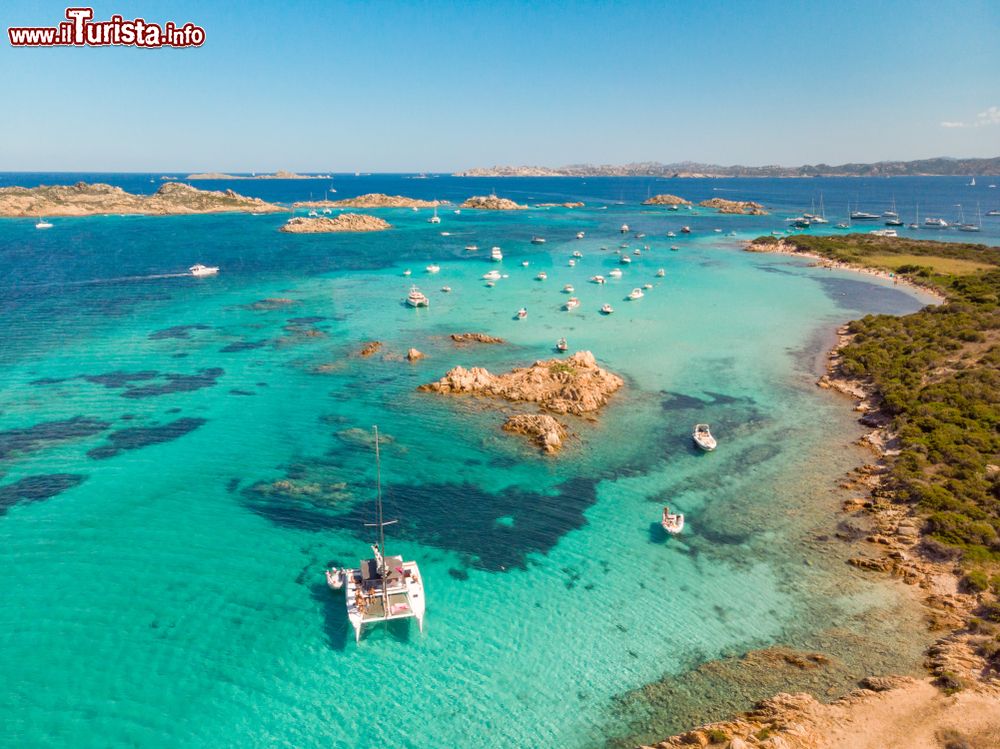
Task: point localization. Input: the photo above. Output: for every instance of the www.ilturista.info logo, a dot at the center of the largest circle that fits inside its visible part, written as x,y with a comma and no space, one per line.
80,30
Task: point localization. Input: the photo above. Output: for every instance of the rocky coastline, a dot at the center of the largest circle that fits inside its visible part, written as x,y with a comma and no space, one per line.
345,222
575,386
491,203
86,199
959,701
371,200
666,199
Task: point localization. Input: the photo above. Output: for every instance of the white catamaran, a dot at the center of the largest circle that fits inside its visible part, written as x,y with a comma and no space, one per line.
382,588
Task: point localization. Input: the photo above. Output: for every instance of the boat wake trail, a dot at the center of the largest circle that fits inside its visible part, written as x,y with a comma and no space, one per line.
97,281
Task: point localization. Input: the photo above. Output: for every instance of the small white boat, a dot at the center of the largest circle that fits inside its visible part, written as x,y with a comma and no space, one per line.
717,231
703,438
577,253
561,345
568,289
203,270
571,303
571,262
407,272
636,293
457,211
335,578
615,273
674,248
496,255
542,275
598,279
637,251
525,263
671,234
538,240
935,223
624,260
43,224
884,233
640,235
522,313
446,234
607,309
433,269
673,523
446,289
490,284
313,214
493,275
471,247
327,211
685,230
661,273
416,298
435,219
624,229
579,235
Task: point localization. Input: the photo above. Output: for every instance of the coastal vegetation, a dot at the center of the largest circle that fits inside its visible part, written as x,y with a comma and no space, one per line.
937,374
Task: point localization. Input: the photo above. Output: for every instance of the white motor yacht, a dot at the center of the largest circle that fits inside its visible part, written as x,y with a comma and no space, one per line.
598,279
43,224
538,240
495,255
568,288
636,293
416,298
471,248
571,303
542,275
615,273
493,275
433,268
579,235
607,309
203,270
661,273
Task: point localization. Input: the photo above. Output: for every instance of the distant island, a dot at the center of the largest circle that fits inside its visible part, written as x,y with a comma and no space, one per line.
371,200
345,222
938,167
277,175
84,199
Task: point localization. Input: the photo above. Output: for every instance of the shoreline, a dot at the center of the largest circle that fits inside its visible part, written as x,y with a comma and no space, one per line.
780,247
893,710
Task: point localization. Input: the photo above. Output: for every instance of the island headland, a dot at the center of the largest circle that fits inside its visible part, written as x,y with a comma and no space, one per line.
345,222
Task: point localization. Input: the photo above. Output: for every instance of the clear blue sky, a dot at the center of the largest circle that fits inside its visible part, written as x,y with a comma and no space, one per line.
436,86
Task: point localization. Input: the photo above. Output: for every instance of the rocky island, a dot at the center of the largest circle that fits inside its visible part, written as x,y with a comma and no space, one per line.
491,203
576,386
743,207
277,175
85,199
665,199
371,200
345,222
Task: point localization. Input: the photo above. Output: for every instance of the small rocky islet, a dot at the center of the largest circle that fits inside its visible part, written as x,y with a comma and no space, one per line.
345,222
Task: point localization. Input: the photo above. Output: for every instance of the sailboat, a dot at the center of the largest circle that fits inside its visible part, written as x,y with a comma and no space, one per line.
972,182
973,227
381,588
435,219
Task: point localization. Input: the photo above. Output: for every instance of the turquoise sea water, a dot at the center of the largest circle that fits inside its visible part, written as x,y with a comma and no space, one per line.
158,589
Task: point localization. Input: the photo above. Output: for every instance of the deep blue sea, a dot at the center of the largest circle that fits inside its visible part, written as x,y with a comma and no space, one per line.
181,458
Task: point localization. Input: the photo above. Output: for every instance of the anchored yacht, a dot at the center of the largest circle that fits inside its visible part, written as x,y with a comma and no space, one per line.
417,298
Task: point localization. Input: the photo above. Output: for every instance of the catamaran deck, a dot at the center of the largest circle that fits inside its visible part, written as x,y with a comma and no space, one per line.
372,597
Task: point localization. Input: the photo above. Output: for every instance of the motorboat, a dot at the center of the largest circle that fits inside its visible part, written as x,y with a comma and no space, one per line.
673,523
446,289
433,269
636,293
577,254
538,240
647,286
671,234
935,223
522,313
493,275
561,345
43,224
542,275
579,235
203,270
446,234
607,309
382,588
624,260
471,248
862,216
884,233
568,288
685,230
313,214
416,298
703,438
407,272
661,273
615,273
571,303
624,229
598,279
496,255
525,263
674,248
335,578
571,263
637,252
640,235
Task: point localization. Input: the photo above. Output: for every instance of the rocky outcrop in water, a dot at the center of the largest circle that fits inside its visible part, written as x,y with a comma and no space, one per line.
372,200
542,429
345,222
84,199
491,203
369,348
475,338
574,386
414,355
665,199
745,207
